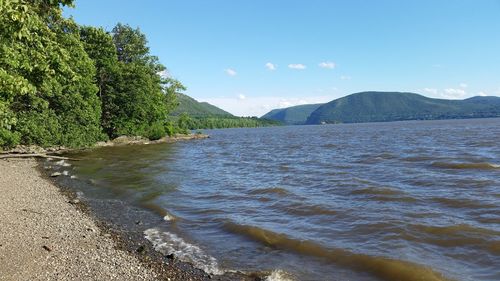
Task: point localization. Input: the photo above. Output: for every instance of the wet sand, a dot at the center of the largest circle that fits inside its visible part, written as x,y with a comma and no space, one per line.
47,235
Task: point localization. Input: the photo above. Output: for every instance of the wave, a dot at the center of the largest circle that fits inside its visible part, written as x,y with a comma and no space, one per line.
169,243
418,158
270,190
462,203
377,191
460,235
384,195
452,230
301,209
466,166
381,267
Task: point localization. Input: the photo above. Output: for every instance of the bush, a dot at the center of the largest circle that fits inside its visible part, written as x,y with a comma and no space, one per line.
8,139
156,131
170,128
42,129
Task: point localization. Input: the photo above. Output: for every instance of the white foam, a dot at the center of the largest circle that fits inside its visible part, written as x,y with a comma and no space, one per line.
279,275
169,217
73,177
169,243
65,173
63,163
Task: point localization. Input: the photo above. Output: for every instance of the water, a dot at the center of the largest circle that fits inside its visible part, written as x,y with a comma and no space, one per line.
415,200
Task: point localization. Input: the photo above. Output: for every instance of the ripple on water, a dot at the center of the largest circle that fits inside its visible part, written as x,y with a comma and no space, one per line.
460,235
461,203
384,268
298,208
270,190
466,166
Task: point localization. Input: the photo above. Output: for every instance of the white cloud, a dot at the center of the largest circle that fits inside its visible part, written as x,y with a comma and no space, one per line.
241,96
453,93
297,66
258,106
270,66
482,94
448,93
463,85
345,77
230,72
327,64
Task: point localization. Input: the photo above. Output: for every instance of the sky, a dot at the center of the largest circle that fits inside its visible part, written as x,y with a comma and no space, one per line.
249,57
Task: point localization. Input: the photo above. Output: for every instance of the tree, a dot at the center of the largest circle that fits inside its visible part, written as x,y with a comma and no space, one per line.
143,97
100,47
47,94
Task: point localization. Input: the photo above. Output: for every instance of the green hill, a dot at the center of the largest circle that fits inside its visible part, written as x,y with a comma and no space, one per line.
295,115
396,106
197,109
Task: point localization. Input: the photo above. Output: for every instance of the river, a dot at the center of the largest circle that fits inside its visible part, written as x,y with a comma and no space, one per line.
416,200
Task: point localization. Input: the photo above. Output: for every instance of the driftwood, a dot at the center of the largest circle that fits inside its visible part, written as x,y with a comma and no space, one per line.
33,155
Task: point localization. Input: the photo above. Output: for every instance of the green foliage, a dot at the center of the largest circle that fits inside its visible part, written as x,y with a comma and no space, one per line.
135,98
187,123
45,73
8,138
184,123
170,128
64,84
156,131
100,47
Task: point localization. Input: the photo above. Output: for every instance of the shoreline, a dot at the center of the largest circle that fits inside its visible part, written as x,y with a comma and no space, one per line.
119,141
50,234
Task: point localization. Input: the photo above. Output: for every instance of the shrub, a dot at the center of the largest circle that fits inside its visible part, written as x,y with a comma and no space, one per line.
156,131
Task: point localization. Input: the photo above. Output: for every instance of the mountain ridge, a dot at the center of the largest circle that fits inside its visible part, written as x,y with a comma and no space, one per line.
294,115
195,108
376,106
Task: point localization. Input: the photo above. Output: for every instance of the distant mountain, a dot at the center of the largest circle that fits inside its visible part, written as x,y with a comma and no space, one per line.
295,115
197,109
396,106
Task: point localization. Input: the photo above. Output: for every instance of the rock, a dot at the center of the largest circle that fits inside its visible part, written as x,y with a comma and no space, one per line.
47,248
74,201
140,249
55,174
170,256
138,222
107,235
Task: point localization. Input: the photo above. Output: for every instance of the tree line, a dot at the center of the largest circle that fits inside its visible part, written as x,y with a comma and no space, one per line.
186,122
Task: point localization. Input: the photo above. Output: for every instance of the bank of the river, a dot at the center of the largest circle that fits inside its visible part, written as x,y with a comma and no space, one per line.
120,141
47,234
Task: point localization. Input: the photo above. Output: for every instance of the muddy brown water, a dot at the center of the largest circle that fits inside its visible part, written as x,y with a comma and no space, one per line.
417,200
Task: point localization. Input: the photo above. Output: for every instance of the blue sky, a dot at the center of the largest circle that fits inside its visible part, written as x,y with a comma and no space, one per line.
249,57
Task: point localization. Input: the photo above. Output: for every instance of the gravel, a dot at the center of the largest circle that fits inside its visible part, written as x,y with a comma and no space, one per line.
45,237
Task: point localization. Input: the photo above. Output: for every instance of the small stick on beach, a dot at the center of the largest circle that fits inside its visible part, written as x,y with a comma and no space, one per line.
33,155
